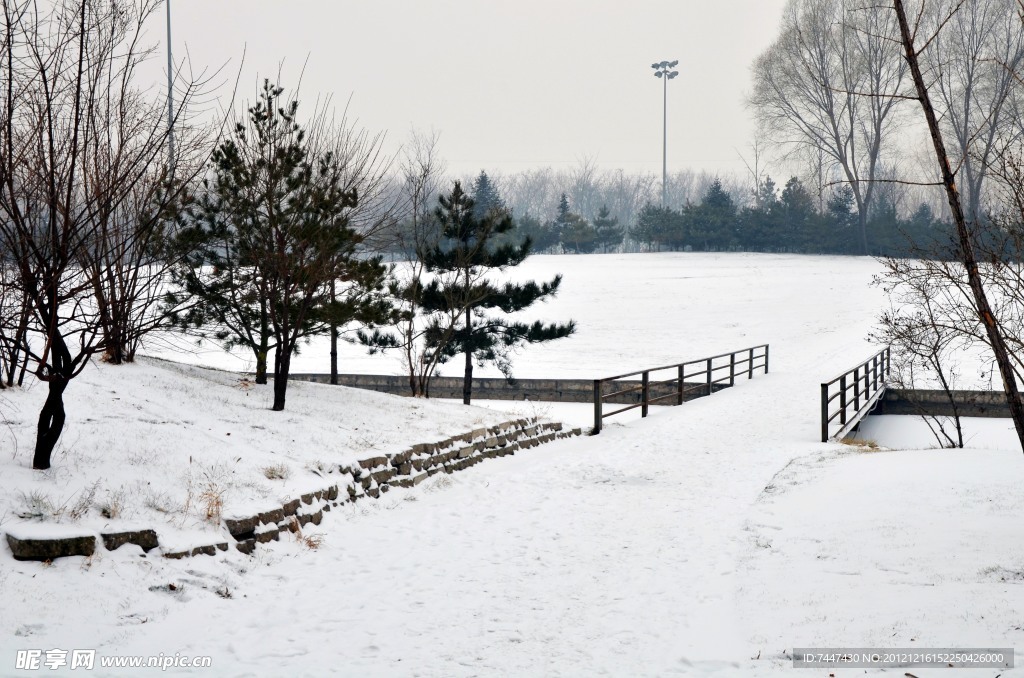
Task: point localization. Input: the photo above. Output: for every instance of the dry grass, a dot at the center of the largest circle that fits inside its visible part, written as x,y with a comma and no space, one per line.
277,472
112,506
862,444
85,501
211,499
310,541
38,506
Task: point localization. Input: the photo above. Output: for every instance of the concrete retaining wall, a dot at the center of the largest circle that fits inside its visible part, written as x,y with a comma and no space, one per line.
935,403
366,478
552,390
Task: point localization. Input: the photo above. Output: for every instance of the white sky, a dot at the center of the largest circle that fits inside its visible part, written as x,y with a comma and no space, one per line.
509,84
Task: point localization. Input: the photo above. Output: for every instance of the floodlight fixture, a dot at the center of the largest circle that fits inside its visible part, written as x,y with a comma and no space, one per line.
662,70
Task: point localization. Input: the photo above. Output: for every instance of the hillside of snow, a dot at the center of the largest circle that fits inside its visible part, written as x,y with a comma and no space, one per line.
706,540
175,447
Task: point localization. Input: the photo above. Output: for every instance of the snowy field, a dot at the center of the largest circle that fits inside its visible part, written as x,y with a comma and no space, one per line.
708,539
642,310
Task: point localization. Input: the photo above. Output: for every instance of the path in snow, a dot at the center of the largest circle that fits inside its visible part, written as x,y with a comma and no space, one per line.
609,555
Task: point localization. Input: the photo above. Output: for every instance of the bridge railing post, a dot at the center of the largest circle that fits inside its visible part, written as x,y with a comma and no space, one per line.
750,365
682,382
732,369
766,358
645,393
856,388
709,376
842,400
597,406
824,413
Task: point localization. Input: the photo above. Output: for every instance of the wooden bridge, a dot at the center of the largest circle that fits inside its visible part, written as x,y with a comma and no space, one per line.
851,396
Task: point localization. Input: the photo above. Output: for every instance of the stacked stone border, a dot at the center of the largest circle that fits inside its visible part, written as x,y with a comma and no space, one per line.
369,477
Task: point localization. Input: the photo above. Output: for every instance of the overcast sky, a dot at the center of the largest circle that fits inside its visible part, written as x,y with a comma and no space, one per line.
509,84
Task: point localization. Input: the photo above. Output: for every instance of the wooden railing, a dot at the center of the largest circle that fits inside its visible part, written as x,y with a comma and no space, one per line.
705,375
857,390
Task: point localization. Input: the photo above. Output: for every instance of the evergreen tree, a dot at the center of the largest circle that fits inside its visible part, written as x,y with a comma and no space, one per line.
562,219
885,230
486,197
577,234
464,285
842,216
659,227
542,235
607,232
762,225
713,222
269,240
798,216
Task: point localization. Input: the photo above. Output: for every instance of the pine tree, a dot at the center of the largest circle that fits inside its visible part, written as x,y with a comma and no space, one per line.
713,221
842,214
464,285
659,227
540,234
800,216
607,232
486,197
577,234
562,219
269,240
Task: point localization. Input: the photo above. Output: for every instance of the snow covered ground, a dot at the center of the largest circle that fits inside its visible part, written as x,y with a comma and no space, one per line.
708,539
641,310
165,445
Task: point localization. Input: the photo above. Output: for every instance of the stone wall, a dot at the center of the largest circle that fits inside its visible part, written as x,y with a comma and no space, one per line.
369,477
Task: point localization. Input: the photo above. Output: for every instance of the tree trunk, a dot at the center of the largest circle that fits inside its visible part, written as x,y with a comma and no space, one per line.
334,342
19,350
282,364
467,380
264,349
862,222
334,354
261,366
967,256
51,423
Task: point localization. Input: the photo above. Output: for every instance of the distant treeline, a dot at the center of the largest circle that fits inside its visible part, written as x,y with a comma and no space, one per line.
787,219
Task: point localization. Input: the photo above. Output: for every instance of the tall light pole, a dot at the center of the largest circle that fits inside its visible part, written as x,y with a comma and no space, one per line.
663,70
170,96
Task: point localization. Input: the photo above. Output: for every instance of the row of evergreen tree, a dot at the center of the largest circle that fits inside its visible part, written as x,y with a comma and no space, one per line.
786,221
789,219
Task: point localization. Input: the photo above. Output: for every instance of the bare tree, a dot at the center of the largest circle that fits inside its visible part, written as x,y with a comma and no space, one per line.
78,138
829,85
365,169
967,239
924,335
972,61
15,315
422,174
